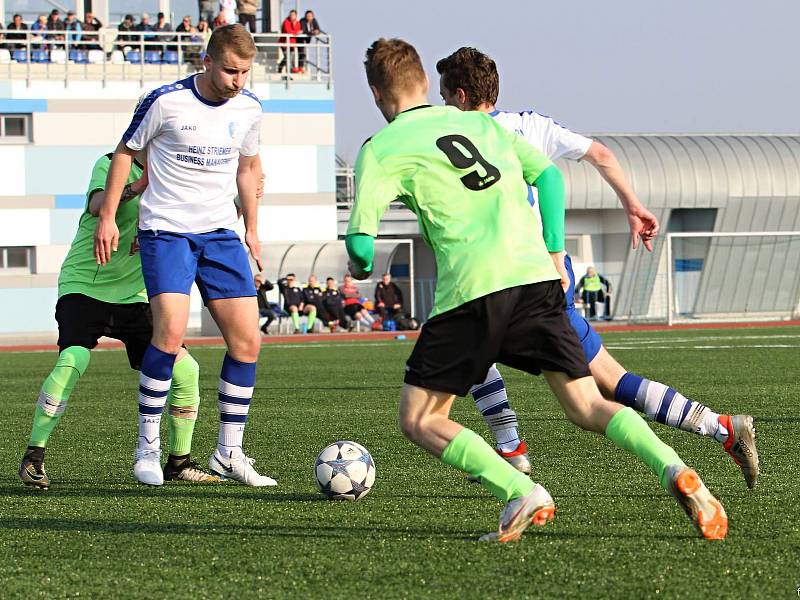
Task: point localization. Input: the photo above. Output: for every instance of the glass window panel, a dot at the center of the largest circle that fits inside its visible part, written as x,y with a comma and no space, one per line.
17,258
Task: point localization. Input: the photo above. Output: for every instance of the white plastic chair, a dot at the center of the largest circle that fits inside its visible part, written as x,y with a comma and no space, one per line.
5,56
58,57
117,57
96,57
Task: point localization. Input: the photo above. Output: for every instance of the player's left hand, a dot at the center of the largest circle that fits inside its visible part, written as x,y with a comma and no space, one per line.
644,226
356,272
254,246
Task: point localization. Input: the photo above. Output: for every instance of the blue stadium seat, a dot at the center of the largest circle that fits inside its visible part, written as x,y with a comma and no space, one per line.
171,57
152,57
78,56
134,56
20,56
40,56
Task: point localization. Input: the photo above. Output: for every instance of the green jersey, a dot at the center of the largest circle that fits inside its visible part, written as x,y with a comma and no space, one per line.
120,280
464,177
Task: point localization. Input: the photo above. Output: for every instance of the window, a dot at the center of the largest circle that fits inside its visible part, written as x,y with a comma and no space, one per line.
16,260
579,247
15,128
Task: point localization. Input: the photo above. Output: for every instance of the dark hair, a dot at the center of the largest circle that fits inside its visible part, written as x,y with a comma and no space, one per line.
393,66
290,275
472,71
330,279
231,37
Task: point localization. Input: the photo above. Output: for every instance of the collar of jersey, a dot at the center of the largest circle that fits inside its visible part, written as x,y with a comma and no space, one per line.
413,108
494,113
197,95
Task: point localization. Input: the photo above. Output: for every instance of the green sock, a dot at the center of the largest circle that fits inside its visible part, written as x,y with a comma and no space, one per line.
56,389
312,316
629,431
183,401
469,452
296,320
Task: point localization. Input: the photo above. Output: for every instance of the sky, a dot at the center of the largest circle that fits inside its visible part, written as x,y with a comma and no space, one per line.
595,66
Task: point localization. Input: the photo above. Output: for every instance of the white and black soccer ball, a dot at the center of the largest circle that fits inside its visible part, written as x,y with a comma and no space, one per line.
344,471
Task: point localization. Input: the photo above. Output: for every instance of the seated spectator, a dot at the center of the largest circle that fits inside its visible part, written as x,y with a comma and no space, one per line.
40,27
204,30
54,26
388,299
294,302
162,27
91,41
289,42
73,26
267,309
191,42
16,25
312,295
334,305
352,303
310,29
247,13
145,27
125,40
590,291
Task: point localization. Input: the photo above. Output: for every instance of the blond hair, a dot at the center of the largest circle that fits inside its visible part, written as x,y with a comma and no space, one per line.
394,67
231,37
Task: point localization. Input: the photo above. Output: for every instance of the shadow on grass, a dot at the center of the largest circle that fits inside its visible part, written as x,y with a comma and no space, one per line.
231,492
284,531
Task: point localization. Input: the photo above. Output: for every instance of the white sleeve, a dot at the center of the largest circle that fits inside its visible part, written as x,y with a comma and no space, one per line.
560,142
251,141
145,125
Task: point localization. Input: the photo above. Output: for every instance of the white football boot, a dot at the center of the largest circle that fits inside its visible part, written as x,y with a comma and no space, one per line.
147,467
535,508
239,468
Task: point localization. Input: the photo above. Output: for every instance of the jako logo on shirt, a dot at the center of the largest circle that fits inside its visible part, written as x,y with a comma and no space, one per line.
188,127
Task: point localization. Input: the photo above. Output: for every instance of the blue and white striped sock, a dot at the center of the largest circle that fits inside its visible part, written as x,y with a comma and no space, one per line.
492,400
235,392
666,405
154,381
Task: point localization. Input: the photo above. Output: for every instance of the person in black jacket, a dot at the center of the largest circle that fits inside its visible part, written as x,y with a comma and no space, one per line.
311,29
265,307
334,305
294,302
388,298
16,25
313,295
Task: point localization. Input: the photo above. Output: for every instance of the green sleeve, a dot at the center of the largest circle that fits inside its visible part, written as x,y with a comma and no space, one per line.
97,181
361,250
375,190
551,206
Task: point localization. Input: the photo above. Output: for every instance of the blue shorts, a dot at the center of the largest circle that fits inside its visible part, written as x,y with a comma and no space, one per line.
216,261
590,339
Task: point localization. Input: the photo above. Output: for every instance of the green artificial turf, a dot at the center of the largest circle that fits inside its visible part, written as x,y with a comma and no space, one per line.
96,533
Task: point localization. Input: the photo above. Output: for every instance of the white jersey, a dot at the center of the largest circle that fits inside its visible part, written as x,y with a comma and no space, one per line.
544,134
193,148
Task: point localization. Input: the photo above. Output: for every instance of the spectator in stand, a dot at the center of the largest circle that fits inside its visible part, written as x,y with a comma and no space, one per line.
191,40
247,13
265,307
311,29
125,40
333,304
73,26
590,289
40,27
219,21
352,303
227,8
16,25
144,28
294,302
204,30
206,9
162,27
388,298
91,41
288,48
55,24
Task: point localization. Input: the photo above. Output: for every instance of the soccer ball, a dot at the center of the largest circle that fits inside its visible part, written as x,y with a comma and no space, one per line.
344,471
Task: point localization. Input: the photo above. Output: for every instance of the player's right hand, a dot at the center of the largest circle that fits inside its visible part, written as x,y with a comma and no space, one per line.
106,240
558,261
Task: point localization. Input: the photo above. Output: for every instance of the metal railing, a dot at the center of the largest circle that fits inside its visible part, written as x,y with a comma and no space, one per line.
113,55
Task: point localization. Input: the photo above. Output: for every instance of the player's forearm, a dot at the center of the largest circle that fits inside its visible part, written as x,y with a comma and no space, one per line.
603,159
118,173
361,250
551,206
247,182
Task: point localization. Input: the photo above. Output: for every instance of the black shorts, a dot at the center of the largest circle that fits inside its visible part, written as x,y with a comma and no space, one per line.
351,309
83,320
524,327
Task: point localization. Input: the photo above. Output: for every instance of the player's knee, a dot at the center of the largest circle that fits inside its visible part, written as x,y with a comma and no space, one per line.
246,348
74,357
187,373
293,309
